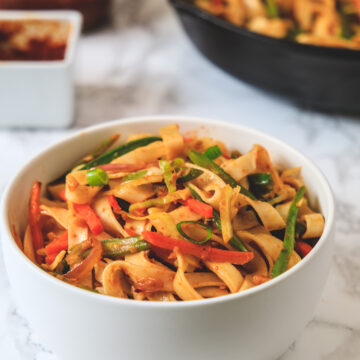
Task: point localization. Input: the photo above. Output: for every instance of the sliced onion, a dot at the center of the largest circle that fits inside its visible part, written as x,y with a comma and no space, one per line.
86,266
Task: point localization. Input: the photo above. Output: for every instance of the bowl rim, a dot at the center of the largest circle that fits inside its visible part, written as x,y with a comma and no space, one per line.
326,51
166,119
73,17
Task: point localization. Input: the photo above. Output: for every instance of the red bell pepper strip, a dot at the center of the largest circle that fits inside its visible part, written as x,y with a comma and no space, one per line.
303,248
113,203
202,252
34,220
62,195
55,246
200,207
88,214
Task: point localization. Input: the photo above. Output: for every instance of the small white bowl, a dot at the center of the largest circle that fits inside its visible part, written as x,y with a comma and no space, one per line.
39,93
258,324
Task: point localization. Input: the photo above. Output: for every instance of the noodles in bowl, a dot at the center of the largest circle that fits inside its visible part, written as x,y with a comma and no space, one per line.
171,218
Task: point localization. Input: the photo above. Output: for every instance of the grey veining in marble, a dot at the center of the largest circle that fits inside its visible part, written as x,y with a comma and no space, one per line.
143,64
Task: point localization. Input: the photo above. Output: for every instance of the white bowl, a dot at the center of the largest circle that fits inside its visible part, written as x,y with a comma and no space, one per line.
39,93
259,323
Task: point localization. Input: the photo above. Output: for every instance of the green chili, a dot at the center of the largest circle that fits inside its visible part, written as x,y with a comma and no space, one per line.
203,161
116,248
213,152
187,237
289,238
168,176
120,150
97,177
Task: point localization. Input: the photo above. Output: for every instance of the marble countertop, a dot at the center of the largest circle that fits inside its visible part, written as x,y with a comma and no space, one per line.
144,64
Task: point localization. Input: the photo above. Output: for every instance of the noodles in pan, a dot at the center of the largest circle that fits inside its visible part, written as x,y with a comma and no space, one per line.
332,23
170,218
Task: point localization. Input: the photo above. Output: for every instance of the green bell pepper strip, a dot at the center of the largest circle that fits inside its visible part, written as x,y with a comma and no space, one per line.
203,161
234,241
117,248
120,150
289,239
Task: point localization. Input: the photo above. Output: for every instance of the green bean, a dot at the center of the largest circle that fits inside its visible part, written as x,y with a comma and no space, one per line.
289,238
117,248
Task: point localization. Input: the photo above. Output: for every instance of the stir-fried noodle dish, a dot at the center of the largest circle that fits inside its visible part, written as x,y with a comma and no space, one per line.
332,23
168,218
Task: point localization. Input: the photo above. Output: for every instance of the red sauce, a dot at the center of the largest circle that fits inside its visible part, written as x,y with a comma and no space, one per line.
33,40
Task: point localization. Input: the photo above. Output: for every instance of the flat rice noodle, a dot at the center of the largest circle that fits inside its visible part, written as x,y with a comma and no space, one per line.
243,166
99,271
283,209
60,215
225,213
206,178
244,220
112,279
78,230
211,291
130,191
51,203
29,246
269,245
148,278
138,226
161,296
286,193
267,213
104,211
258,265
181,285
149,153
314,225
203,279
82,194
184,213
210,194
247,283
173,141
228,273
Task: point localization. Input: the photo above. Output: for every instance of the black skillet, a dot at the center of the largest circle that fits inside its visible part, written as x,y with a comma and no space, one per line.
319,77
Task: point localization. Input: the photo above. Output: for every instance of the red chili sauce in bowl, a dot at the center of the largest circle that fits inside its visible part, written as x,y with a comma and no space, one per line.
33,40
